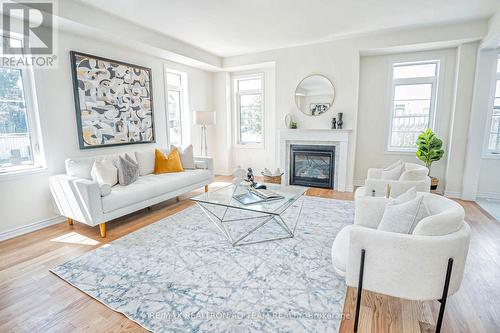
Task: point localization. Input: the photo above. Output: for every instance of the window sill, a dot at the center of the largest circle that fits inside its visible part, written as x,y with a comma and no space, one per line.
400,152
490,156
249,146
14,174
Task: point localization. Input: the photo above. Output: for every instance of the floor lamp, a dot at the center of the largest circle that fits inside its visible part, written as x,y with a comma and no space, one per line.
204,118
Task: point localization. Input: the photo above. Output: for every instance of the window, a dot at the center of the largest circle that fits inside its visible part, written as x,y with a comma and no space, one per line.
20,147
492,146
175,96
249,109
413,102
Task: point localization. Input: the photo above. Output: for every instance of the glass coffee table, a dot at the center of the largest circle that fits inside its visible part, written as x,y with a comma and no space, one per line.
239,222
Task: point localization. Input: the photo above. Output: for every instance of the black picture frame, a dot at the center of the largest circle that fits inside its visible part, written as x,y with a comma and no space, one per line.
78,109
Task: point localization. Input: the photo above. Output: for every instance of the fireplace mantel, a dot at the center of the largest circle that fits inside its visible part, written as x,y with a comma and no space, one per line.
336,137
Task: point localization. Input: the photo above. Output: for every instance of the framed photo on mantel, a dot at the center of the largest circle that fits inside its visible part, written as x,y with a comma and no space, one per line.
113,101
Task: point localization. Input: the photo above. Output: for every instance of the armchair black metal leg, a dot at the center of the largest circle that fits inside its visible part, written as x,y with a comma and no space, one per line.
445,296
360,289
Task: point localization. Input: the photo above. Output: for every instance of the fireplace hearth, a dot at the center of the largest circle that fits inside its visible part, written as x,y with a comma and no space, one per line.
312,165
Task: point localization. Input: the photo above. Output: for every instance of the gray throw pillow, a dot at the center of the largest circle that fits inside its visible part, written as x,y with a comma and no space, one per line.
128,170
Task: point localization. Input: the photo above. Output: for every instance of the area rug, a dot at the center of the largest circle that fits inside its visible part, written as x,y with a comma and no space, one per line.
181,275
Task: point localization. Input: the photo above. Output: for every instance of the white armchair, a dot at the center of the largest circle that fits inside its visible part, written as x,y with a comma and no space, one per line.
425,265
414,175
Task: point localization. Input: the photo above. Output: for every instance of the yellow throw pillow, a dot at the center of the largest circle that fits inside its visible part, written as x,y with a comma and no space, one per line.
167,163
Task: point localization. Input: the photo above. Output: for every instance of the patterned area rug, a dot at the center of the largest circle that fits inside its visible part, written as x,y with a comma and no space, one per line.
181,274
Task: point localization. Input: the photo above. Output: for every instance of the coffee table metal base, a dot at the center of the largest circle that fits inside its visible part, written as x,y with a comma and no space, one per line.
241,239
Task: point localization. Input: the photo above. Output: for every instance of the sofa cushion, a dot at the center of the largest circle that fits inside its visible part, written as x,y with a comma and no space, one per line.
104,172
340,250
414,174
394,173
167,163
402,217
105,189
187,156
79,167
128,170
150,186
410,194
393,165
146,161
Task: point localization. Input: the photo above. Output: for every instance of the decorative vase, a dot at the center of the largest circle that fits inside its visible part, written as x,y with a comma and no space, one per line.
434,183
334,123
340,122
288,120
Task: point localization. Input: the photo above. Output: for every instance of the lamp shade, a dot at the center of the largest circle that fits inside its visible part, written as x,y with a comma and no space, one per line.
204,118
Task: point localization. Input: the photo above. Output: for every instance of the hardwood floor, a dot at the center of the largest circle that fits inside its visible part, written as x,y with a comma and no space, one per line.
34,300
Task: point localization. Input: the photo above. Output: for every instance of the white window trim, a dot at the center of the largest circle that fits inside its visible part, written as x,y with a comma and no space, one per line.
184,96
435,81
487,153
33,123
236,107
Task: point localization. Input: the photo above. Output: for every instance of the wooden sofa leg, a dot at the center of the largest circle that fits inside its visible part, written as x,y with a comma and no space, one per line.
70,221
102,227
206,188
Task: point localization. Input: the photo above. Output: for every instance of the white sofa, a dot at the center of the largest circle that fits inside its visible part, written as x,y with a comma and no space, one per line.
411,266
414,175
79,198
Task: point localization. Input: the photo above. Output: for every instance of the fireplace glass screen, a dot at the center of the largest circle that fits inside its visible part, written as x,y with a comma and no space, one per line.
312,165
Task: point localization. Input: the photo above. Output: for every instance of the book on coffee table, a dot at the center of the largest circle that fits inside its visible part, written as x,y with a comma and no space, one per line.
254,196
266,194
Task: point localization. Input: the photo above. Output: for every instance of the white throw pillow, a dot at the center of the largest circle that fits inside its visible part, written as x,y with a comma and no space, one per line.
104,172
146,161
403,217
405,197
105,189
394,173
393,165
187,156
79,167
414,175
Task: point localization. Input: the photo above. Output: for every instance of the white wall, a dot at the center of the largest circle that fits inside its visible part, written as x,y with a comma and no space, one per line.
460,119
481,176
336,60
340,61
375,109
26,199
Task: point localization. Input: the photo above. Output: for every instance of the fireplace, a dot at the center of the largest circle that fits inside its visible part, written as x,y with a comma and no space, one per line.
312,165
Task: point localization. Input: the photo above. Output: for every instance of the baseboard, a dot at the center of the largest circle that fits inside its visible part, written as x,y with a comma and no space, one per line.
453,194
30,227
359,182
349,188
488,195
222,173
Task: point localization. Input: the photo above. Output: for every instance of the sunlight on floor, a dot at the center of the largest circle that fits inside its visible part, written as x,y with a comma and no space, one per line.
75,238
219,184
491,206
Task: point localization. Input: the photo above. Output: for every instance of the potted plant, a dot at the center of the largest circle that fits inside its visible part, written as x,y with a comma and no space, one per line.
429,149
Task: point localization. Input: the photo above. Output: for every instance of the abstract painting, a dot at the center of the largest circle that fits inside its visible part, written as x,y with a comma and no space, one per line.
113,100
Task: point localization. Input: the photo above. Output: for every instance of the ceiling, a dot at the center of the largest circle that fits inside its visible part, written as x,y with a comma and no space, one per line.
233,27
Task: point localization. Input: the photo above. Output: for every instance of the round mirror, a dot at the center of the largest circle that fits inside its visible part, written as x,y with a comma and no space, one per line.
314,95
